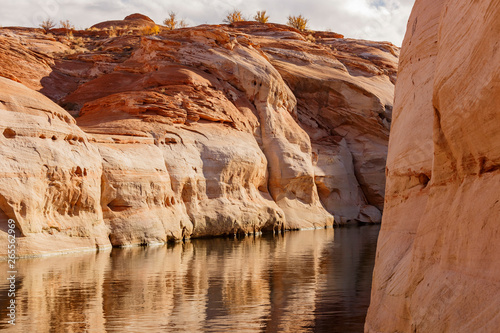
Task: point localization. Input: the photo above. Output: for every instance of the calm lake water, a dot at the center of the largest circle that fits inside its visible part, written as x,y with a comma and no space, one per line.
302,281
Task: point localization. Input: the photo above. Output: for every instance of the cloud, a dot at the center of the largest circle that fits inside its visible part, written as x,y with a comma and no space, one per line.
366,19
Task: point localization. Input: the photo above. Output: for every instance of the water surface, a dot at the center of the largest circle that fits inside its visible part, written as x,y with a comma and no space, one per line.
302,281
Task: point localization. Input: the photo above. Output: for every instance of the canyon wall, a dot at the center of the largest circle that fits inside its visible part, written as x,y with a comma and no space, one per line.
203,131
438,264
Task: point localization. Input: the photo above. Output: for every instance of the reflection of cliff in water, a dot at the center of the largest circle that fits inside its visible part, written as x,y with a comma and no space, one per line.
302,281
348,264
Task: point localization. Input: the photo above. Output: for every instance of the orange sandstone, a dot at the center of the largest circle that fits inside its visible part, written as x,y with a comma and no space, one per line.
204,131
437,266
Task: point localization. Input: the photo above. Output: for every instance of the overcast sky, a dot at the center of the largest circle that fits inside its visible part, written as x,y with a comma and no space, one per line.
367,19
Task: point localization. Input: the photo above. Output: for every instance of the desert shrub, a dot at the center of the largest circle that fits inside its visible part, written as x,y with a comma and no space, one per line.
261,17
47,24
80,42
121,32
297,22
234,16
172,23
154,30
66,25
112,32
310,38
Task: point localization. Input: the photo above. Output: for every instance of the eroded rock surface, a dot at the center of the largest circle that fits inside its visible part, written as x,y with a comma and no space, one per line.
50,175
344,90
437,266
215,130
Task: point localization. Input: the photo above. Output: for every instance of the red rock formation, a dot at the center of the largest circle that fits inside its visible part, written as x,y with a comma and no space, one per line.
26,56
344,90
207,130
129,22
437,267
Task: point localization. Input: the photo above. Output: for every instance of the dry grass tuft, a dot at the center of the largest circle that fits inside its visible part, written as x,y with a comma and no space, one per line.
261,17
47,25
148,31
310,38
297,22
112,32
172,23
234,16
66,25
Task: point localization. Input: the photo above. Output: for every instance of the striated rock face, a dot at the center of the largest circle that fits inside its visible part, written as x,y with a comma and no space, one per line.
437,266
50,175
210,130
27,57
344,90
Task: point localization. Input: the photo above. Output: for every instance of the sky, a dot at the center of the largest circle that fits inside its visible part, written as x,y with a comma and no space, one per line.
380,20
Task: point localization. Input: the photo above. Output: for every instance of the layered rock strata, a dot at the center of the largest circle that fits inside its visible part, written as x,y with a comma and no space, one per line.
196,132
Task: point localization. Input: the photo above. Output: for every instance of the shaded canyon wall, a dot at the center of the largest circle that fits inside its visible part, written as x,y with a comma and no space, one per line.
438,267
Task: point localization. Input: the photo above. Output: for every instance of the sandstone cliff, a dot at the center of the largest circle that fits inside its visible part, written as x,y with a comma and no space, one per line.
195,132
437,266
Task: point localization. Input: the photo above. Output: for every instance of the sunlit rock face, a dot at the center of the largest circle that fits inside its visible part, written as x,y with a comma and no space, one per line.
212,130
437,266
344,91
50,175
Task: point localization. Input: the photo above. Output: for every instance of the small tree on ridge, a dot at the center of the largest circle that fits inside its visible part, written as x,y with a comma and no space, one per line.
172,23
47,24
261,17
297,22
66,25
234,16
